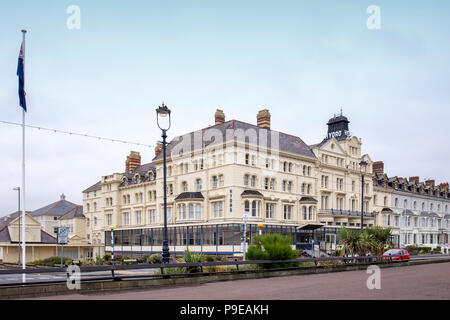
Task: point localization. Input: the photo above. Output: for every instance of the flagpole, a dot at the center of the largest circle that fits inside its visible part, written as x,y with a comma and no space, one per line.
23,173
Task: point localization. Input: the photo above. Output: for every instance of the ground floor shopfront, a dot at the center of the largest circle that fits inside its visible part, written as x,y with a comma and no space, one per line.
223,239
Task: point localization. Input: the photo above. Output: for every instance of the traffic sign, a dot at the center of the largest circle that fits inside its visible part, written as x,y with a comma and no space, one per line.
63,235
246,215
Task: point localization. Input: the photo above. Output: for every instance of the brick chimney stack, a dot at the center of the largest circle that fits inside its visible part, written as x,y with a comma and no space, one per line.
378,167
133,161
158,148
414,179
263,119
430,183
219,116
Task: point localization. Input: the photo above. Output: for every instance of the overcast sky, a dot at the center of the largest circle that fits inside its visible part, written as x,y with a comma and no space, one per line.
302,60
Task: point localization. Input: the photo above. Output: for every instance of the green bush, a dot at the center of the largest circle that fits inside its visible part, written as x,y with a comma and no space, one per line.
272,247
192,258
52,261
155,258
424,250
107,257
437,250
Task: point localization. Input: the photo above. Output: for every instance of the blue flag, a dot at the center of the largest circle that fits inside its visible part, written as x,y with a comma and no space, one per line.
21,75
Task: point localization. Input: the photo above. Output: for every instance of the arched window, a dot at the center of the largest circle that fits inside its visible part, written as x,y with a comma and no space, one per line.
246,180
253,181
254,208
405,203
396,202
247,206
304,213
88,207
311,213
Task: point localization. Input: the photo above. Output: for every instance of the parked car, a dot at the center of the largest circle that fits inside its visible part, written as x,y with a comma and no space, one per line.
400,254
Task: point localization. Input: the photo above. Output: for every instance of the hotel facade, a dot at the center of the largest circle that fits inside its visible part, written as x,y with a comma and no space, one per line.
216,174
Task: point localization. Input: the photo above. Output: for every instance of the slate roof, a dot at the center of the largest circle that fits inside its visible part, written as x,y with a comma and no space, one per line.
251,193
141,171
426,213
189,195
304,199
229,130
76,212
95,187
58,208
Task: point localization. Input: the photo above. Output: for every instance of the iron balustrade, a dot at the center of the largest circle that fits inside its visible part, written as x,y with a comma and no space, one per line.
345,212
318,263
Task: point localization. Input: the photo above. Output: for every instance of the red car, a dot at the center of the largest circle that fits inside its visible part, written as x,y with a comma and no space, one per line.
400,254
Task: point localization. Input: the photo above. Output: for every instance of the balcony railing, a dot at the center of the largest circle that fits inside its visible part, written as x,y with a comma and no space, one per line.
346,213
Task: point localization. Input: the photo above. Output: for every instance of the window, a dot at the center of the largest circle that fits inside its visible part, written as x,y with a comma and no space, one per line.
254,208
304,216
198,212
198,182
138,217
95,221
126,218
109,219
311,213
290,167
169,214
247,158
214,181
270,210
184,186
151,215
266,183
253,160
253,181
218,209
88,222
247,206
191,211
246,180
272,184
287,212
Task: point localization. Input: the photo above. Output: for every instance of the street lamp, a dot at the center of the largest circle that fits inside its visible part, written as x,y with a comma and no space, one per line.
362,169
18,210
163,115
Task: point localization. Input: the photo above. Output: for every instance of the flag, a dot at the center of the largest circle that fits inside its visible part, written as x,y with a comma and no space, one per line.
21,75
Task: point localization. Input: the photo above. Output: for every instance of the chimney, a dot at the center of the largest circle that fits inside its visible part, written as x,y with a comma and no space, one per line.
133,161
219,116
414,179
158,148
263,119
430,183
378,167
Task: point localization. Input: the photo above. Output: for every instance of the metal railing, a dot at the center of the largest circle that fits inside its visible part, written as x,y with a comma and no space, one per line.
115,276
346,212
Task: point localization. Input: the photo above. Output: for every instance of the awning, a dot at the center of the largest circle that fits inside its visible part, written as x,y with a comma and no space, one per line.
310,226
387,210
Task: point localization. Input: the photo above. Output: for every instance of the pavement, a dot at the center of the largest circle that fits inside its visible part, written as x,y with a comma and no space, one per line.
418,282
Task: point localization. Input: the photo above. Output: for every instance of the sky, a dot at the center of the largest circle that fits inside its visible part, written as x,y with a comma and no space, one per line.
302,60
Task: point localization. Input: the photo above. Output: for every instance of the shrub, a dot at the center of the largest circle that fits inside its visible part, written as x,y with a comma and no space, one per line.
155,258
272,247
52,261
192,258
107,257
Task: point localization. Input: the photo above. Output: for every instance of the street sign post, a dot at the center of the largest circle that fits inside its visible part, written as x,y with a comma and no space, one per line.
62,239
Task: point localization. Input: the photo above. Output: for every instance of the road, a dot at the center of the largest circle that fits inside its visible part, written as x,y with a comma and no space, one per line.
428,281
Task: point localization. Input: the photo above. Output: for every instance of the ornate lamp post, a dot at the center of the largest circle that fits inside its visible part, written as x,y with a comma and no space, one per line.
163,115
362,168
